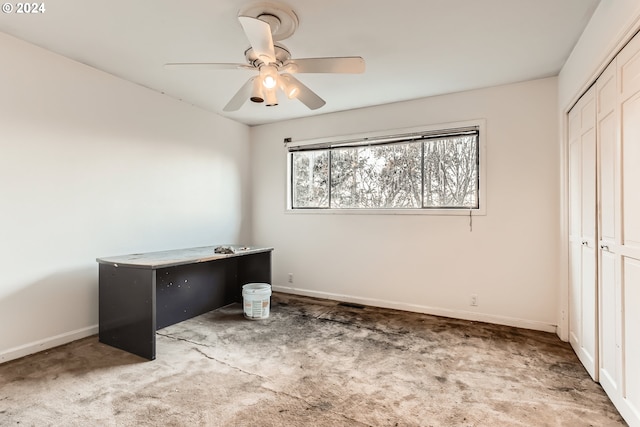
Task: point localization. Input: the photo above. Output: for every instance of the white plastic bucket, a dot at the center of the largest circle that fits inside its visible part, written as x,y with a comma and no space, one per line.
256,297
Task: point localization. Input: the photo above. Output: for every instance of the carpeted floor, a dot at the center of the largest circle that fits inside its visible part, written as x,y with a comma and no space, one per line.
311,363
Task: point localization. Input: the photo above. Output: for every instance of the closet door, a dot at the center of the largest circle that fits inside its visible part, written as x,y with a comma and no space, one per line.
628,247
610,330
583,328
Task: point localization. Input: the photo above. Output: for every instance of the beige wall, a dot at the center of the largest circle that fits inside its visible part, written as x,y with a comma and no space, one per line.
90,166
429,263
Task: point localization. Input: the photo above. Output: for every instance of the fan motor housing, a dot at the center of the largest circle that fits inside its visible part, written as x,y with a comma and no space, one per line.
282,55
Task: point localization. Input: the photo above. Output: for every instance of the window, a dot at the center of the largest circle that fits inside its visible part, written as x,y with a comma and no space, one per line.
426,170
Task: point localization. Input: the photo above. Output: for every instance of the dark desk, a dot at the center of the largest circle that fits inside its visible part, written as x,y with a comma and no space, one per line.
141,293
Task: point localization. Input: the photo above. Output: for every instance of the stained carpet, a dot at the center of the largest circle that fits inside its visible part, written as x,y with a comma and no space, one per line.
311,363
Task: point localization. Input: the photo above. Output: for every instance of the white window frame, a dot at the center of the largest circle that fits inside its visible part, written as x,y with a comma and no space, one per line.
394,133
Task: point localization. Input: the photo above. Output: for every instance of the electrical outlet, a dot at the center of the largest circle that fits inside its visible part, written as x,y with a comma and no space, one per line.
474,300
290,277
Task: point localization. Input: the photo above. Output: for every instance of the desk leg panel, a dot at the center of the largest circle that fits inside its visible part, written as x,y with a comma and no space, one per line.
186,291
127,309
253,268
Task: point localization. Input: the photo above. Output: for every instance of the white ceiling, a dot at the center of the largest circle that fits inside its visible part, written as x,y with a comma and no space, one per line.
412,48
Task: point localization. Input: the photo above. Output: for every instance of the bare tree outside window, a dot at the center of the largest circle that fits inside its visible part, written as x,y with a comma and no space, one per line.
311,179
386,176
440,172
451,172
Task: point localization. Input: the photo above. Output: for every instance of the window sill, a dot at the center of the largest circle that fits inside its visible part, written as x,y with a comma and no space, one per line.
432,212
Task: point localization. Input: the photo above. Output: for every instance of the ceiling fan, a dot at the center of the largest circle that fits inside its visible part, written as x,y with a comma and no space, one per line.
263,23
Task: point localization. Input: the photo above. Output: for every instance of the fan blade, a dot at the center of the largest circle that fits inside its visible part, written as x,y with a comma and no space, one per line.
240,97
207,66
306,95
259,34
346,64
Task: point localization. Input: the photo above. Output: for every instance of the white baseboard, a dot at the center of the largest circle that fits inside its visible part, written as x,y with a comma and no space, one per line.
436,311
47,343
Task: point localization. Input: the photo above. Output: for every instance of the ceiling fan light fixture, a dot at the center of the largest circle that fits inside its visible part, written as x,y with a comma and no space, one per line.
269,76
288,87
257,94
271,100
269,82
264,23
293,92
